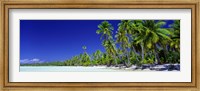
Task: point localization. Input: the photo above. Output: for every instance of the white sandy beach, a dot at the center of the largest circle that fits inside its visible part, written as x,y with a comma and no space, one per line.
66,69
90,69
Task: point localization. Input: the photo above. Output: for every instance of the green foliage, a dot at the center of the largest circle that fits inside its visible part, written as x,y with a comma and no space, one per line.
173,57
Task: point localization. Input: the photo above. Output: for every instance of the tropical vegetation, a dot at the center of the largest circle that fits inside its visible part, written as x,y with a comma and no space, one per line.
136,42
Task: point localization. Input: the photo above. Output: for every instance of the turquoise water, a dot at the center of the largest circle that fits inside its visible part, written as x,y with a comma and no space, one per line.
65,69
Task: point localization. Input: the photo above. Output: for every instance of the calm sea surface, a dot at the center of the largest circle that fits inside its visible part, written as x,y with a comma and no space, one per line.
66,69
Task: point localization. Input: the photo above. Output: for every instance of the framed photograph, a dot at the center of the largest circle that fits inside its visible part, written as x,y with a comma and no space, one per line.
127,45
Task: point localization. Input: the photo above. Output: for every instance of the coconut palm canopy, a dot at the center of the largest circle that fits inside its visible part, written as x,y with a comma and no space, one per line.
100,42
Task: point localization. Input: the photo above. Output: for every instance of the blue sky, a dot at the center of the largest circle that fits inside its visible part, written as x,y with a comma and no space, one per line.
58,40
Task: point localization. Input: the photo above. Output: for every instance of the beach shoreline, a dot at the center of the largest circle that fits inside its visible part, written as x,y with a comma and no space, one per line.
101,68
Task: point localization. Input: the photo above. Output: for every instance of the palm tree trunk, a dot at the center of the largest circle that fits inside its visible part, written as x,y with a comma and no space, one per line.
142,47
84,51
124,54
156,55
135,53
115,60
128,58
124,61
165,53
125,64
109,63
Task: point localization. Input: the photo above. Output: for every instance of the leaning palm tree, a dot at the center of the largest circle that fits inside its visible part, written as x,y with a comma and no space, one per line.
111,49
123,39
105,29
157,35
152,34
136,28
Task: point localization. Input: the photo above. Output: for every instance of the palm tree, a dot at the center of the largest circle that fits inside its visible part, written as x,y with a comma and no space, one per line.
152,34
111,49
85,57
84,48
123,39
97,57
105,29
136,28
175,43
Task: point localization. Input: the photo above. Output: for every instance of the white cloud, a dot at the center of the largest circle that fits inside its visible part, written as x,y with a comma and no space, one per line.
35,60
30,61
